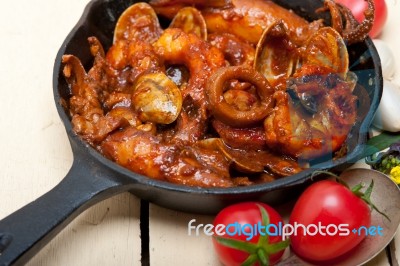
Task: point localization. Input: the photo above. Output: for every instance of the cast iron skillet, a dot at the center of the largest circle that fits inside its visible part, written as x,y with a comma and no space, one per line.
94,178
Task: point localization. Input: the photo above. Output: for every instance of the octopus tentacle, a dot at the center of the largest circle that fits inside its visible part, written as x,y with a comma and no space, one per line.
344,22
96,48
359,33
336,15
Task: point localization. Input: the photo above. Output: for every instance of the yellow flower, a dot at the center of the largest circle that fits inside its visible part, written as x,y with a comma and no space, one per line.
395,174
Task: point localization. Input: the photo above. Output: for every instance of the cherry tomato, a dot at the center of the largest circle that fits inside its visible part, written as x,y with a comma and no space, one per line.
239,246
337,211
358,7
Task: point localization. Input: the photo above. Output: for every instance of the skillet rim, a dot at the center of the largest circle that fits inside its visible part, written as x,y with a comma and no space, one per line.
281,183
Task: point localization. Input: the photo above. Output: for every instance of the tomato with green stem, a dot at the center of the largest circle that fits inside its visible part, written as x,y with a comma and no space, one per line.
329,212
251,235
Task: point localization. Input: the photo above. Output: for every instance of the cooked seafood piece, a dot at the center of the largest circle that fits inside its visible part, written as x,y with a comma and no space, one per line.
226,112
295,130
156,99
249,18
253,161
190,20
236,51
228,93
138,22
276,55
144,153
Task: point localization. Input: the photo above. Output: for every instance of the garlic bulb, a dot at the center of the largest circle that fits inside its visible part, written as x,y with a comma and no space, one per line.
387,59
387,116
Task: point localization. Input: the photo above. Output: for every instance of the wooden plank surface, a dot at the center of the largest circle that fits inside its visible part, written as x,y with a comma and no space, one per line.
36,155
167,225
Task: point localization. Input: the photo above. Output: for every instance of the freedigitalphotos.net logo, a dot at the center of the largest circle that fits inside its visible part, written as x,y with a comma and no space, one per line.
280,229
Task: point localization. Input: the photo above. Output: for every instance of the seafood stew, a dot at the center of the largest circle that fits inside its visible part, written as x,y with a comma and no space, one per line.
192,105
93,178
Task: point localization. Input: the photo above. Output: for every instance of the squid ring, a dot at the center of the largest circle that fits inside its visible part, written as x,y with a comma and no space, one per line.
227,113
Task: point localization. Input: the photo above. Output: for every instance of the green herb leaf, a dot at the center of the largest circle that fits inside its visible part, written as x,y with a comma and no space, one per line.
379,143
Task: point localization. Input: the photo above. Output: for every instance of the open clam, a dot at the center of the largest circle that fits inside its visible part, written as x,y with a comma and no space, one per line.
275,56
252,161
138,22
190,20
326,48
156,98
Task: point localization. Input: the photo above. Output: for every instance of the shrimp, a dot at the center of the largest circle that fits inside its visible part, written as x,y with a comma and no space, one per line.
248,19
126,61
176,47
146,154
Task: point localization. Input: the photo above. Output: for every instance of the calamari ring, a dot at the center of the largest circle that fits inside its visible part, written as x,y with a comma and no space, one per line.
227,113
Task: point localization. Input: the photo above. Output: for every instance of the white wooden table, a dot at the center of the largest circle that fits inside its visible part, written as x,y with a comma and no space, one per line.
35,153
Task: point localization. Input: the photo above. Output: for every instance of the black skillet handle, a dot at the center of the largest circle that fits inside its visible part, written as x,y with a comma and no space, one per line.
24,232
